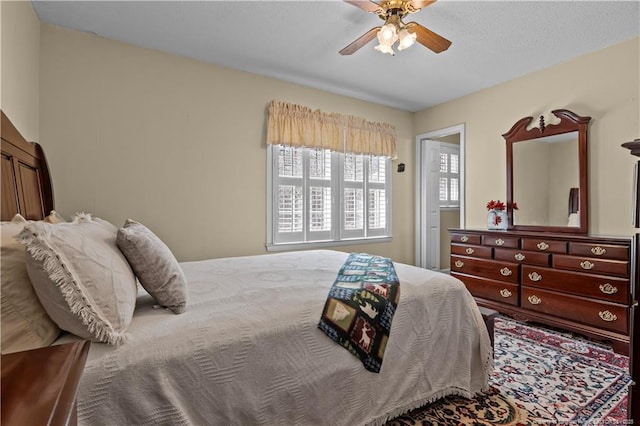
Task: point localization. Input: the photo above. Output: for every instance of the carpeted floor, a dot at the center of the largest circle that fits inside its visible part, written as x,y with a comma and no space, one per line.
541,377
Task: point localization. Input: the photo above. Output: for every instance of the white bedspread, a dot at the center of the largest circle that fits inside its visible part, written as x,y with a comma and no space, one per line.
248,351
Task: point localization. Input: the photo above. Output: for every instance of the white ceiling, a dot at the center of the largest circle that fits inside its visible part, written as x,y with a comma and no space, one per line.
298,41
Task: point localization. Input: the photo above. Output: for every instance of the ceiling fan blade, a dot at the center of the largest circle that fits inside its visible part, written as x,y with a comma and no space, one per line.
428,38
365,5
361,41
421,4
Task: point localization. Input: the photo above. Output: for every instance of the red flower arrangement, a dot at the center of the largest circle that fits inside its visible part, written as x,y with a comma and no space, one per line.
499,205
496,205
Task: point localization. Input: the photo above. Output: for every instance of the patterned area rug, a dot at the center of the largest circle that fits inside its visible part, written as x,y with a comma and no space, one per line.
541,377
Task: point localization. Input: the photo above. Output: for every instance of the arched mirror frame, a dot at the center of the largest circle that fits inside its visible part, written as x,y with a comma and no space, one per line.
569,122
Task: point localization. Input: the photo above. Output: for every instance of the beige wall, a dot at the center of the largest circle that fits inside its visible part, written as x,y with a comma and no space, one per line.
19,81
532,195
603,85
180,144
564,174
454,139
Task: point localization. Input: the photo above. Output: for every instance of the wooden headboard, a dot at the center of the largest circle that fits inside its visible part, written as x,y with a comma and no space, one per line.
26,183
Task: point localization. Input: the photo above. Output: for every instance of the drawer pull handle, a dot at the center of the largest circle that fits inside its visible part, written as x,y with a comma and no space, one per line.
598,251
506,271
535,277
607,316
459,263
464,238
608,288
519,256
534,300
469,250
542,245
499,242
505,293
586,265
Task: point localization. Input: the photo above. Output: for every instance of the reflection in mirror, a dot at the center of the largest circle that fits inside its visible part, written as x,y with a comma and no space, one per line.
547,174
546,179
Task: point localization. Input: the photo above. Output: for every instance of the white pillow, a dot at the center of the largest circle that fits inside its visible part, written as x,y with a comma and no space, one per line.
81,278
25,323
574,219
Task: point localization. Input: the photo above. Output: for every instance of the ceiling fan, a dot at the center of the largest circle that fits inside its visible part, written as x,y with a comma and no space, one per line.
394,30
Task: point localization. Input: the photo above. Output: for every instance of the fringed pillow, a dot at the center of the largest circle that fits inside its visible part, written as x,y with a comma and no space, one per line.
154,264
81,278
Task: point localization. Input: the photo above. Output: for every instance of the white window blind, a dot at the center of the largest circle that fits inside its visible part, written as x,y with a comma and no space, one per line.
318,195
449,180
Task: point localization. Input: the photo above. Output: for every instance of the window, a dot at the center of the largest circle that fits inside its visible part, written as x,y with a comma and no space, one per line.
321,196
449,176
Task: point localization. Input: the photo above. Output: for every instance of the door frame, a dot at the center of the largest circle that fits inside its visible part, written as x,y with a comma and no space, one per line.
423,255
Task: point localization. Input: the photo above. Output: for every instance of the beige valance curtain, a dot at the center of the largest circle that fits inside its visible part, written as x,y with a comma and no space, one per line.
298,125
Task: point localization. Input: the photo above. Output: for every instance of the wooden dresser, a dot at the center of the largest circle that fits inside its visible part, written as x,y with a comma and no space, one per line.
574,282
39,386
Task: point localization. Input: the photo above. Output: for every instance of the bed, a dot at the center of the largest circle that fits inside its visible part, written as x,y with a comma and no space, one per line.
248,349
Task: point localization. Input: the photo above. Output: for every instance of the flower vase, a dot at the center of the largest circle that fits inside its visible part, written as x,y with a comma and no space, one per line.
497,219
491,219
503,222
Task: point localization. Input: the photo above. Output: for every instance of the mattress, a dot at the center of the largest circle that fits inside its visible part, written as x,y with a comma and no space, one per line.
248,350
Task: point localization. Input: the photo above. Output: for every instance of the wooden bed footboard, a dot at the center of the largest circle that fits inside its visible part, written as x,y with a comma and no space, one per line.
489,316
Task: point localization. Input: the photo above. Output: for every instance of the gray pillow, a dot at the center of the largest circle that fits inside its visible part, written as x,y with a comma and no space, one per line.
155,266
81,278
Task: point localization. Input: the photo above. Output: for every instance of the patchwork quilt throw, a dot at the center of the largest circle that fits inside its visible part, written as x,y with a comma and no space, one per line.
360,307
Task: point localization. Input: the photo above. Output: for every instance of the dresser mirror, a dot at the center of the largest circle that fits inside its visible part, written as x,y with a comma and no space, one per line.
547,174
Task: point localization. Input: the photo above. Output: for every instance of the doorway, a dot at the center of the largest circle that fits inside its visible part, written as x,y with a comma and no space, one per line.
433,180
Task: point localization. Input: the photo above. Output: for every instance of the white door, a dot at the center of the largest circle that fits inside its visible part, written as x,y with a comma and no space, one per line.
432,211
427,195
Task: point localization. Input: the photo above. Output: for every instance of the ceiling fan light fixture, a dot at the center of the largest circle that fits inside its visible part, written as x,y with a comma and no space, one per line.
388,33
385,48
393,31
406,39
387,36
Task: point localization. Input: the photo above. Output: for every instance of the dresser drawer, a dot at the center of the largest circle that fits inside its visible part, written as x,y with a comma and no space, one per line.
600,251
465,238
492,269
544,245
474,251
522,256
586,311
619,268
604,288
490,289
500,241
